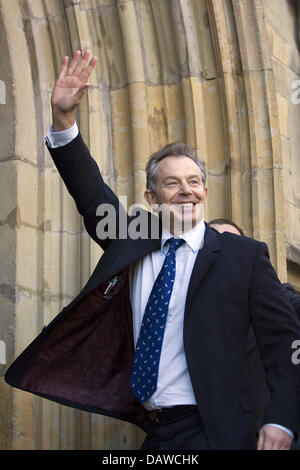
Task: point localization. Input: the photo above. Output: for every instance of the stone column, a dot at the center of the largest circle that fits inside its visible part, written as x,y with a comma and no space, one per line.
198,71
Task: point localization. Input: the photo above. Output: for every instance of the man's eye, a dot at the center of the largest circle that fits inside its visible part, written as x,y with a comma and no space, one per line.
194,182
172,183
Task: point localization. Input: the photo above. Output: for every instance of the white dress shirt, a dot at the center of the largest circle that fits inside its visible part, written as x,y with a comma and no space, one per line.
174,384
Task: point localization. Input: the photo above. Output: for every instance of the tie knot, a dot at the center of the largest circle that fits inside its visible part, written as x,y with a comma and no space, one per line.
175,243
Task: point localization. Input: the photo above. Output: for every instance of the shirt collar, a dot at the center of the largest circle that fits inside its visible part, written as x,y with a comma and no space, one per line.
194,238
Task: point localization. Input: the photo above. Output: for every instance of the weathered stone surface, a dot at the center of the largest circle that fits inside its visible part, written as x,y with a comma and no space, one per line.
284,46
217,75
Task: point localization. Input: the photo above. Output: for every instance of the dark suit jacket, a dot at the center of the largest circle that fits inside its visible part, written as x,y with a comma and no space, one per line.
293,297
83,358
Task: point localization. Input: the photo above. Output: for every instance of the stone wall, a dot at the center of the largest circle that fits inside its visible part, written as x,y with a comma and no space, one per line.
283,37
217,74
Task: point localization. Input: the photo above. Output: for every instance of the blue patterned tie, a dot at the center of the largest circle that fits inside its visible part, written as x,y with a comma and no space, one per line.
147,354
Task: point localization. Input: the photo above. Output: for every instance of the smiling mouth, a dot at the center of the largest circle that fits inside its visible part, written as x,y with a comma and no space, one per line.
184,204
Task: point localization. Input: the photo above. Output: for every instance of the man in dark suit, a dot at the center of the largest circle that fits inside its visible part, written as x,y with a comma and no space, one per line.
192,390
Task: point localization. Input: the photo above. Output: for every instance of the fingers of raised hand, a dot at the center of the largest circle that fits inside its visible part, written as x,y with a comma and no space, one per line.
63,68
87,69
75,62
80,66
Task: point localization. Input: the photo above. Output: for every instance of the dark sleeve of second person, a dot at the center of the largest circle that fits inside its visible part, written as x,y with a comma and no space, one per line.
293,297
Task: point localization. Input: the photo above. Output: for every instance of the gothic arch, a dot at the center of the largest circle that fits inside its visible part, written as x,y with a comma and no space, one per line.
192,70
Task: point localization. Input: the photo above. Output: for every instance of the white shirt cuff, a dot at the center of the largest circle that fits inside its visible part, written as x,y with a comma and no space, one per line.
288,431
58,139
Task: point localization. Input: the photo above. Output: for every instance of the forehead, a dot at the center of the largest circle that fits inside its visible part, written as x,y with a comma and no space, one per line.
177,166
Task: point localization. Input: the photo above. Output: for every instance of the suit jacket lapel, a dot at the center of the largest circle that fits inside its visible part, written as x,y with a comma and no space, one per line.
206,256
132,251
128,251
124,253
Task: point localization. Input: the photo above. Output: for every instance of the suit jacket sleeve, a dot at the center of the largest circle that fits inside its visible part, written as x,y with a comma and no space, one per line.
276,327
294,298
84,182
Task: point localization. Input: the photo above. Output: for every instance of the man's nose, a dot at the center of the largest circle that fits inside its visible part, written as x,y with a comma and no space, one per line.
185,188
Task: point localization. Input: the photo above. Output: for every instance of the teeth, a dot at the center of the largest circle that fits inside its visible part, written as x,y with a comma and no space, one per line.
186,204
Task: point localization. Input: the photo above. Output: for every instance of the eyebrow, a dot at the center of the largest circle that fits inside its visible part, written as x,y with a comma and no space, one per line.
178,177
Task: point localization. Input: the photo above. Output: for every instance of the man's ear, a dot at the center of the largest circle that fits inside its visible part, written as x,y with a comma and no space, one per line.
150,197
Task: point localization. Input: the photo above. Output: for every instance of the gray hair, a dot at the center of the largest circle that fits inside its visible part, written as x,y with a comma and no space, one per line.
177,149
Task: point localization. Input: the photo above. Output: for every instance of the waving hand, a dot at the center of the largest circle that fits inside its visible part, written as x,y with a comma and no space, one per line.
70,88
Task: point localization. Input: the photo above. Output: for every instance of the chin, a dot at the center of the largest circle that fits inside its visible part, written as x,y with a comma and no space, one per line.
184,225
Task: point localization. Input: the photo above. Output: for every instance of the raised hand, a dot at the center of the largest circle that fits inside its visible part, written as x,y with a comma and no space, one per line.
70,88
